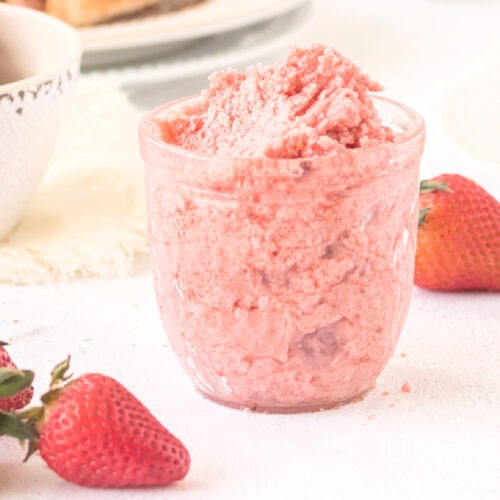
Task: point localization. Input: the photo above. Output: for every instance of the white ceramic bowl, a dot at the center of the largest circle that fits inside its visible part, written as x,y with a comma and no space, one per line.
39,66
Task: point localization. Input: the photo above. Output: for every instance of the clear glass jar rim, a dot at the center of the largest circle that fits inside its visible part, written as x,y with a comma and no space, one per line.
413,134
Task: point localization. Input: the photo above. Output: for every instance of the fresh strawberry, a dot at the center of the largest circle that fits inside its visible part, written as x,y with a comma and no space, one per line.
20,394
93,432
458,243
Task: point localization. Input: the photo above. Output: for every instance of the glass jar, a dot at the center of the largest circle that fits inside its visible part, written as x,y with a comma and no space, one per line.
284,284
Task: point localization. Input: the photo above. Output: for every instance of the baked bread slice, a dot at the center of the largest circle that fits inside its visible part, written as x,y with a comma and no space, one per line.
32,4
88,12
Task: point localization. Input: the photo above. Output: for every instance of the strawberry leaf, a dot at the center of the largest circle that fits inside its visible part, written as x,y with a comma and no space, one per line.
422,214
14,381
427,186
32,447
12,425
58,374
58,379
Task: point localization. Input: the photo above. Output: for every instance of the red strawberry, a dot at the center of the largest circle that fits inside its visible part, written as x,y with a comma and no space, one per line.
18,399
93,432
458,243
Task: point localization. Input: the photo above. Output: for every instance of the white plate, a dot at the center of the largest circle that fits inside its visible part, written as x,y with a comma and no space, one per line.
237,48
161,32
471,115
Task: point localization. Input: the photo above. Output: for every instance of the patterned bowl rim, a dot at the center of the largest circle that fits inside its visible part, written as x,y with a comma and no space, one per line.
69,37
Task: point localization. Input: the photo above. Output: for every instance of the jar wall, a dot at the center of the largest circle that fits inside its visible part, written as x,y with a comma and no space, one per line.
284,292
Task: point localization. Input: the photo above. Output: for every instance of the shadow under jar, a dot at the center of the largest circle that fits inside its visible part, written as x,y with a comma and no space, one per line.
284,284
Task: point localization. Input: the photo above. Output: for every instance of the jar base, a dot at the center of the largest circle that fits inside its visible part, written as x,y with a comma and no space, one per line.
302,408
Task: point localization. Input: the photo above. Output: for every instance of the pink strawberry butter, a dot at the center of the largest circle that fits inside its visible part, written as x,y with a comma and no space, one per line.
282,205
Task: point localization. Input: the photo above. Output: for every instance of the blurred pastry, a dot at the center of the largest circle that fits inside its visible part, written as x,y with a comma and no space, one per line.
90,12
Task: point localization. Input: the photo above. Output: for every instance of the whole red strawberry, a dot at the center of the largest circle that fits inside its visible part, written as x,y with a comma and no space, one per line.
458,243
18,399
93,432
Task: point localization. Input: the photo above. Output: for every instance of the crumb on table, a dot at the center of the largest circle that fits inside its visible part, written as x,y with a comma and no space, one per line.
406,387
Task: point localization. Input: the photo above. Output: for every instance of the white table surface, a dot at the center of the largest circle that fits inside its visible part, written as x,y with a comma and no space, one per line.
441,440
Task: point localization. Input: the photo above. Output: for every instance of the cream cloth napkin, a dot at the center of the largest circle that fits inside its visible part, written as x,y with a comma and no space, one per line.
88,216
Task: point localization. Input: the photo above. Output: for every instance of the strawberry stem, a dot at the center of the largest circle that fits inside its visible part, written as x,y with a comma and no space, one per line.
3,343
